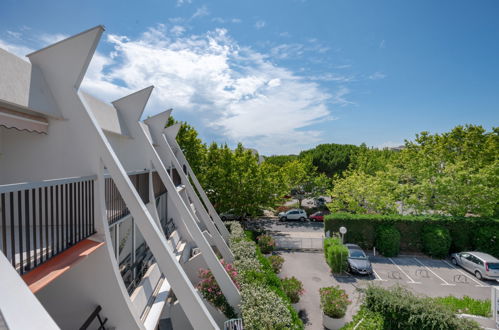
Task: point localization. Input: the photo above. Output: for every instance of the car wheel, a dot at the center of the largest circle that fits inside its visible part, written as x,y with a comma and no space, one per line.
224,218
454,261
478,275
283,219
302,219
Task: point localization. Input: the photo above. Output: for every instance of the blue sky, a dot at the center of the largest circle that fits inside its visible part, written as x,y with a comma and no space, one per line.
283,76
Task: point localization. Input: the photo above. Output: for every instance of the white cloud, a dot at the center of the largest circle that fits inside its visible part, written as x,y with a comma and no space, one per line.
389,144
200,12
339,97
49,39
14,34
182,2
332,77
16,49
377,76
233,91
228,20
260,24
382,44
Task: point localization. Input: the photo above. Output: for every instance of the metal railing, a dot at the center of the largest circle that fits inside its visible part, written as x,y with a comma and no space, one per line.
141,183
177,181
115,205
40,220
158,186
133,272
299,243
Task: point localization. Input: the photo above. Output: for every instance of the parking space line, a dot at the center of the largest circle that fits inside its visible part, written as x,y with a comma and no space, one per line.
445,282
377,277
412,281
462,272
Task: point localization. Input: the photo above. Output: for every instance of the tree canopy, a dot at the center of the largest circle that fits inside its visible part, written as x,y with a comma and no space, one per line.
454,173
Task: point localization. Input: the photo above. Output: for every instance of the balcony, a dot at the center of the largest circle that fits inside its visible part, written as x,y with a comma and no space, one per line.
39,221
116,208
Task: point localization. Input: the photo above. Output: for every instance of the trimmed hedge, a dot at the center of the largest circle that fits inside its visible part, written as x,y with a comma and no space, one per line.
467,233
487,240
388,240
336,254
401,309
436,241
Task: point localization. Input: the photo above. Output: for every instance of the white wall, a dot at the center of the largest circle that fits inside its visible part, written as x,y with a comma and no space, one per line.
72,297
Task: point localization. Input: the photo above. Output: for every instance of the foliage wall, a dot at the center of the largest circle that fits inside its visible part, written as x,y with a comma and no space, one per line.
466,233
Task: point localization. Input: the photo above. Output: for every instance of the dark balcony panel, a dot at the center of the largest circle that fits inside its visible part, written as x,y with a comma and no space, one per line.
158,186
115,205
141,183
177,181
40,220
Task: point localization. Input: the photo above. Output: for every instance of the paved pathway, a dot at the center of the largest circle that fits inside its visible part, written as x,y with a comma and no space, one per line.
312,270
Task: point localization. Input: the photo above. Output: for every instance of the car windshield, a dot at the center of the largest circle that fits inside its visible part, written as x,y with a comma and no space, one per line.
494,266
357,254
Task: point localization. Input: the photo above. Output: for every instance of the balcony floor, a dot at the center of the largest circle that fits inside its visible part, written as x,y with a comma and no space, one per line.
47,272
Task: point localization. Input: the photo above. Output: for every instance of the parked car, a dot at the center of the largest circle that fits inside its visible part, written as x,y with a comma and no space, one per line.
293,214
320,201
482,265
232,215
317,216
358,261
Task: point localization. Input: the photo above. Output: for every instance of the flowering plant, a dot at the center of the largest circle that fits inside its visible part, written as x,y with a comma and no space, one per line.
276,263
211,291
293,288
334,301
266,243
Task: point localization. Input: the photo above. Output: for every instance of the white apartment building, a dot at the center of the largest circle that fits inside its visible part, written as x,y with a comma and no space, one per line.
100,226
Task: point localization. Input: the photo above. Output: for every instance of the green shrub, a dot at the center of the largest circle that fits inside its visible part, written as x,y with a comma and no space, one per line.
276,263
334,301
388,241
263,309
368,321
487,240
362,229
266,243
401,309
293,288
336,254
466,305
256,271
436,241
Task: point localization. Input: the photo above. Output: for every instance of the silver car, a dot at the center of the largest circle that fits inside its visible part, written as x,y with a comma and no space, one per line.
482,265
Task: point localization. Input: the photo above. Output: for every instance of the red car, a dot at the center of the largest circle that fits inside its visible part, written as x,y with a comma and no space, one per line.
317,216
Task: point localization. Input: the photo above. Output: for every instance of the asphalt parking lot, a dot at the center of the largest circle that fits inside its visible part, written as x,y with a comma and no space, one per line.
432,277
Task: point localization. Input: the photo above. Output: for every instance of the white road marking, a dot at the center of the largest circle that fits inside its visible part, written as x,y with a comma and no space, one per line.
468,276
412,281
377,277
446,283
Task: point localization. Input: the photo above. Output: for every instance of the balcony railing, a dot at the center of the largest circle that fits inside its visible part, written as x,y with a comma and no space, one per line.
115,205
40,220
158,186
177,181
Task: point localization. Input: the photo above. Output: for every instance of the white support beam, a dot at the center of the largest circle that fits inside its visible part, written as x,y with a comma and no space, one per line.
171,133
19,307
204,216
130,106
63,66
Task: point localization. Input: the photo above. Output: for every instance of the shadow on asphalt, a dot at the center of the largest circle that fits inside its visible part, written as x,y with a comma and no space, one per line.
302,314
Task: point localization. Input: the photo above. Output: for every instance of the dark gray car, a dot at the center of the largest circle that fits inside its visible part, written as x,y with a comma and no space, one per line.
358,261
